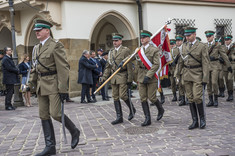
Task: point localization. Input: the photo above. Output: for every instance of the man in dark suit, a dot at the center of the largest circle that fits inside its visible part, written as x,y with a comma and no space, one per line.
95,73
85,76
104,89
10,77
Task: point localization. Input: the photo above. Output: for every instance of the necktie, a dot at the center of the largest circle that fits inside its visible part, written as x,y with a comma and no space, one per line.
190,45
115,52
40,46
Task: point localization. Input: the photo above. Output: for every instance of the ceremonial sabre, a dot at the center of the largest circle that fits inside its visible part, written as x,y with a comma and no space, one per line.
203,101
62,119
131,105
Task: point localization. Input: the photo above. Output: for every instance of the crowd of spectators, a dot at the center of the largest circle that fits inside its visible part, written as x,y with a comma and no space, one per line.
91,68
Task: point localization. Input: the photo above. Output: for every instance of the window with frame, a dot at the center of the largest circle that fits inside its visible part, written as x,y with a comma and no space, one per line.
181,23
223,27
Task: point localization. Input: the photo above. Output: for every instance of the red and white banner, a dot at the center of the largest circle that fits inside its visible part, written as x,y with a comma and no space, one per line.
160,40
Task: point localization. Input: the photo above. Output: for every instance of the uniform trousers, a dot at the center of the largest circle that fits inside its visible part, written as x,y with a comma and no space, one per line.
119,91
49,105
212,87
181,86
221,79
193,91
173,83
148,91
229,80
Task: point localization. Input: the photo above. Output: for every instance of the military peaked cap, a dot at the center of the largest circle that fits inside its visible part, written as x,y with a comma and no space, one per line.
172,41
105,53
145,33
228,37
39,24
209,33
189,30
117,36
179,37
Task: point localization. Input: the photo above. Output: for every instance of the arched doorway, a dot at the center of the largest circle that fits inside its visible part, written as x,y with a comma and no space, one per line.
5,38
108,23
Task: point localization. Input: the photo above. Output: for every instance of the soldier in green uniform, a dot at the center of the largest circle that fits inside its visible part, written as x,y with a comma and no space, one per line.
194,61
174,53
229,75
178,49
146,78
51,74
122,80
215,53
2,86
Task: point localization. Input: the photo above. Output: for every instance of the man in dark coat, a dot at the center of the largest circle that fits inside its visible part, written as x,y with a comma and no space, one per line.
85,76
95,73
10,77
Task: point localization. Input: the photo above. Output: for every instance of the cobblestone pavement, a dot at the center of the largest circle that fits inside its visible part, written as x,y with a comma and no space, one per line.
21,132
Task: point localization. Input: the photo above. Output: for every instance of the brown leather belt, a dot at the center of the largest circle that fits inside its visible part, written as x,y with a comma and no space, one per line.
191,67
47,73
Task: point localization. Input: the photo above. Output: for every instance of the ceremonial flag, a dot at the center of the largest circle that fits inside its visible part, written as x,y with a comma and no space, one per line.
160,40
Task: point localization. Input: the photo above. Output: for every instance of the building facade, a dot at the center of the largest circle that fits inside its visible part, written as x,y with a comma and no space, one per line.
88,24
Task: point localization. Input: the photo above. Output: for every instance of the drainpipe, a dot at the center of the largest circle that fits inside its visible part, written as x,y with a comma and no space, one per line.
140,16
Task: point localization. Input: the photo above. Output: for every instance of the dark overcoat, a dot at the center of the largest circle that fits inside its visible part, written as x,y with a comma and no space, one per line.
10,71
85,71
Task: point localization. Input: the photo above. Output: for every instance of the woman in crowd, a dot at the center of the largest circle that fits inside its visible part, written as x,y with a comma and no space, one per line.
24,68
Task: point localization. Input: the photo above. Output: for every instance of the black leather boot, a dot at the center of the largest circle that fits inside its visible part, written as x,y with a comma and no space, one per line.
230,95
118,108
129,106
174,97
75,133
145,107
182,102
211,102
193,111
162,98
221,92
160,110
186,101
180,98
201,112
49,137
215,100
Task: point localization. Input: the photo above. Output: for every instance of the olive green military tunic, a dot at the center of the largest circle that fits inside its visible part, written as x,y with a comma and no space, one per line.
229,77
149,90
174,52
180,78
120,80
215,52
195,71
49,83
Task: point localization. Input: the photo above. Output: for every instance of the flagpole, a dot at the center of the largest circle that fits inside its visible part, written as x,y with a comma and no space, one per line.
167,23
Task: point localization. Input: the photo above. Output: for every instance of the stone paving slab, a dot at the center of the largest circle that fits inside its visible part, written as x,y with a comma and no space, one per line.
21,132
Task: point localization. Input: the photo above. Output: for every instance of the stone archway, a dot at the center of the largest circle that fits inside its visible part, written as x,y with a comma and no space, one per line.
30,37
5,38
107,24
